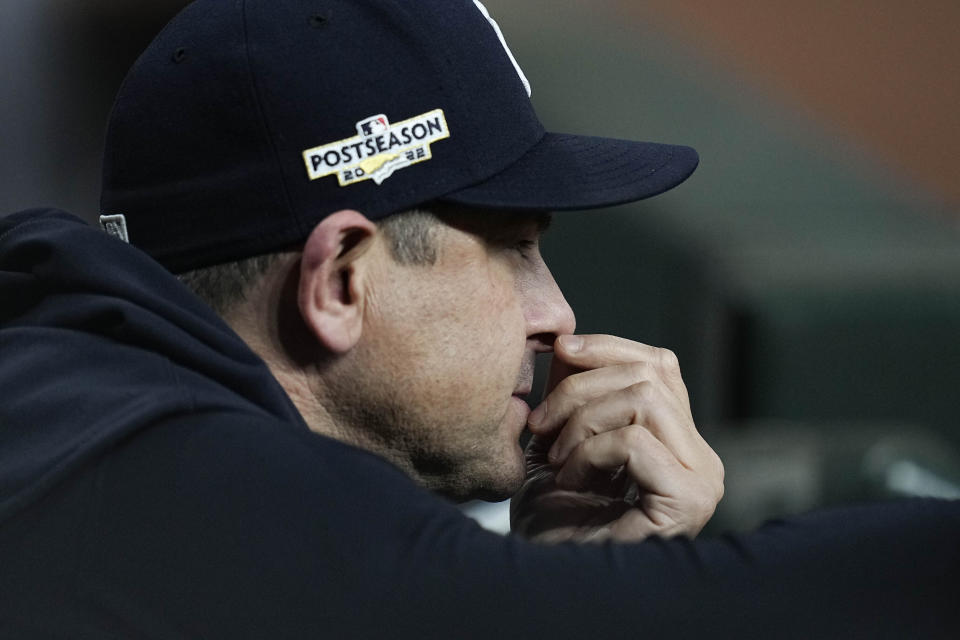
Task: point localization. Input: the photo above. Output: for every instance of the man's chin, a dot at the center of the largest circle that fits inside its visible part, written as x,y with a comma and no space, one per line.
502,482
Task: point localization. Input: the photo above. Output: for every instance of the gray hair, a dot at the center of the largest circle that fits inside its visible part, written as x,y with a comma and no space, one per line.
412,237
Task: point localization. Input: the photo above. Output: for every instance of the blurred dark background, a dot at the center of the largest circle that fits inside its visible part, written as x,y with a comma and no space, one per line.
808,275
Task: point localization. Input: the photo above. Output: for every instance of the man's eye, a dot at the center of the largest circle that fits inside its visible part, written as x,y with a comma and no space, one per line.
525,248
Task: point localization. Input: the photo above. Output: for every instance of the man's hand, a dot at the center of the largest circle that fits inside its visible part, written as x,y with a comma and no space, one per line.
615,452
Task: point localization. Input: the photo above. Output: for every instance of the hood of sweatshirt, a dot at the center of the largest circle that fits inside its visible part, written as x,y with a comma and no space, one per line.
97,342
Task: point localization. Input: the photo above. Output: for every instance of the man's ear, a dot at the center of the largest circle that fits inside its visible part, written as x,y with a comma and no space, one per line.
333,279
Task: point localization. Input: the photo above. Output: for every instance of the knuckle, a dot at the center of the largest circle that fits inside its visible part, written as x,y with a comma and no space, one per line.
720,479
713,464
643,391
703,500
578,424
642,370
706,505
721,471
711,480
635,436
568,386
668,359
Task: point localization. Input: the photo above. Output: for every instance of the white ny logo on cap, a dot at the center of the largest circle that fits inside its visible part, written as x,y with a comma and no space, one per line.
496,27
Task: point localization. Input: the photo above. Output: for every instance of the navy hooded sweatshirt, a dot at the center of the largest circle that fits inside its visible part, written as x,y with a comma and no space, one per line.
157,482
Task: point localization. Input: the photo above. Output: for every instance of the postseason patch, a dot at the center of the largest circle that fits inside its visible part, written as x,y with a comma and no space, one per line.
378,149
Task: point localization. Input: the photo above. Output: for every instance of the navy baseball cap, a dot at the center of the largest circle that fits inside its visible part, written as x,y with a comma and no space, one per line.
246,122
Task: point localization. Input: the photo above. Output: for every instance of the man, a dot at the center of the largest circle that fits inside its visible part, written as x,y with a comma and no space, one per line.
385,348
358,189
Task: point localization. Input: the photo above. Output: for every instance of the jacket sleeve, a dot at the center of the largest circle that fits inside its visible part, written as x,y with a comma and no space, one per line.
226,527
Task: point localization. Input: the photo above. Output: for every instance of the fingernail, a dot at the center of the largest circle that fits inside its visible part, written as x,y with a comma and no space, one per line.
536,416
571,343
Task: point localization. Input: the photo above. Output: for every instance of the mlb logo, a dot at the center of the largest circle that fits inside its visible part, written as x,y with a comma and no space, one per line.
372,126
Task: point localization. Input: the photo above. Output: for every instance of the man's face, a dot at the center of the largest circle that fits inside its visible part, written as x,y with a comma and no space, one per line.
448,351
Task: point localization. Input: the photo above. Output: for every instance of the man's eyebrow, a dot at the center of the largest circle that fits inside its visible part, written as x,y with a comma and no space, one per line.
543,221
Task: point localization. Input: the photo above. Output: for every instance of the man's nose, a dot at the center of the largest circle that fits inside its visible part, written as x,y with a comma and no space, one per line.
548,314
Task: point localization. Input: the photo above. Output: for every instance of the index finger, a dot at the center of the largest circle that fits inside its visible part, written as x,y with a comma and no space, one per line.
593,351
558,371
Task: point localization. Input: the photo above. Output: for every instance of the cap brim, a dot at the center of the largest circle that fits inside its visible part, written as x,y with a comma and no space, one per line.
563,172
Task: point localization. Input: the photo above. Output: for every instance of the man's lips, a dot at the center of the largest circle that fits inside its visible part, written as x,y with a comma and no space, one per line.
520,395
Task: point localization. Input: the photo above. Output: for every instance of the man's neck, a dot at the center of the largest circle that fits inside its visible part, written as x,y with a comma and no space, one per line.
310,400
276,336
